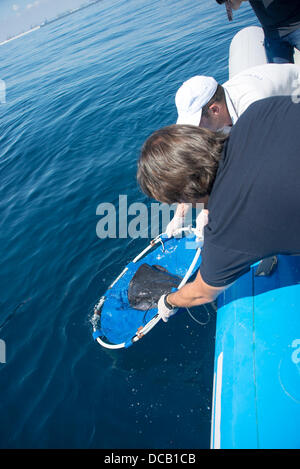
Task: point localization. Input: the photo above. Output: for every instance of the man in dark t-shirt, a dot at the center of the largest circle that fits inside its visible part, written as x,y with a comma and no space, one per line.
254,205
280,20
251,181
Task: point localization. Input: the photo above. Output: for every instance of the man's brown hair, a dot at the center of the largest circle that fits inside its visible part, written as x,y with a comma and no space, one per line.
179,163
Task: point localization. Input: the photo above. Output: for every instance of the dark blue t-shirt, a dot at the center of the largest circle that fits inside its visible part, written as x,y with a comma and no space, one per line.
254,206
277,17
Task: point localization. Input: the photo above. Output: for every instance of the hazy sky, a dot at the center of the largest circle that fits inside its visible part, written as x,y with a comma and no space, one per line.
18,15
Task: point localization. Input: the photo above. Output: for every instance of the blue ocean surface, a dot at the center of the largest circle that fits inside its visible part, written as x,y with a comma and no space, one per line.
82,95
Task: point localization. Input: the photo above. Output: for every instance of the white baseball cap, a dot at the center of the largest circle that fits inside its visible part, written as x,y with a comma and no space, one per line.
192,96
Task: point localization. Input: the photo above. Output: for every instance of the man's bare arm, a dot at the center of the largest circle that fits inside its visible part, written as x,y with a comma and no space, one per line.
194,293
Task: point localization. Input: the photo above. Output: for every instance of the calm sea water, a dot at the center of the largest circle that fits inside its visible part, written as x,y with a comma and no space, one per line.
83,93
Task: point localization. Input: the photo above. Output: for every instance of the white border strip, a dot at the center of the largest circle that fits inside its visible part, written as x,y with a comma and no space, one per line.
216,411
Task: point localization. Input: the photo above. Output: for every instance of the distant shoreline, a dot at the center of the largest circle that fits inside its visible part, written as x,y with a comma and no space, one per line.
20,35
45,23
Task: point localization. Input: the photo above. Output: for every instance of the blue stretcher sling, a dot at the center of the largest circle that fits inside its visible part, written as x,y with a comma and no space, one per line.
124,315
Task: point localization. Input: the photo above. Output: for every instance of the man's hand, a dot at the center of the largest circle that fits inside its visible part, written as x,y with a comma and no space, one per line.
176,223
201,221
164,310
178,219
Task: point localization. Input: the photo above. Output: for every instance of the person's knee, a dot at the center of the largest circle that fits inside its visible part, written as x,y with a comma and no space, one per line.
279,51
279,60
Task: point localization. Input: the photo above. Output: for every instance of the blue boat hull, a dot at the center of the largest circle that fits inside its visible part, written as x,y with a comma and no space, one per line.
256,399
